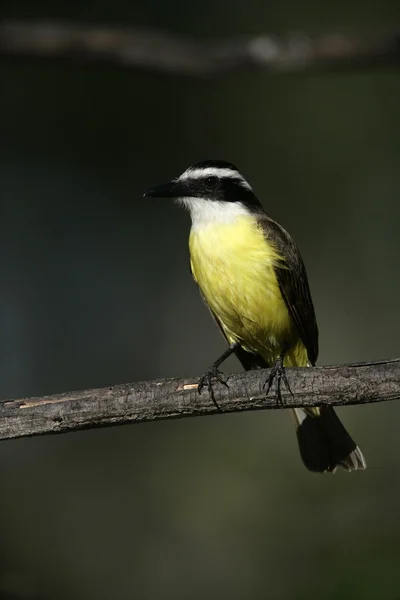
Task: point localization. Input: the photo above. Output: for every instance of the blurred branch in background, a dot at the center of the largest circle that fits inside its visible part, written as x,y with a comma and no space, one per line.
172,398
159,51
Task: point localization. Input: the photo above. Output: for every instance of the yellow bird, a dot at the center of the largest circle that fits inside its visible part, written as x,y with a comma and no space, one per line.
252,277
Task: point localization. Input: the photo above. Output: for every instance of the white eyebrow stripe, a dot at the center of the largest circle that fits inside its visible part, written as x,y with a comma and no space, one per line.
216,172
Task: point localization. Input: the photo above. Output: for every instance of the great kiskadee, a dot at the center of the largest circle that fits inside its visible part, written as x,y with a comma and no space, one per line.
252,277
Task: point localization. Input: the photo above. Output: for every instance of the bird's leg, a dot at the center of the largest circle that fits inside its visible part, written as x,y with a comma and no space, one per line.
278,372
213,373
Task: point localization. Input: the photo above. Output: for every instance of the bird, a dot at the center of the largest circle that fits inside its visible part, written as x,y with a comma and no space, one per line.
252,277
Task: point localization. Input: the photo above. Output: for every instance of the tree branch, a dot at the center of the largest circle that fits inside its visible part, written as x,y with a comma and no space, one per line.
153,50
173,398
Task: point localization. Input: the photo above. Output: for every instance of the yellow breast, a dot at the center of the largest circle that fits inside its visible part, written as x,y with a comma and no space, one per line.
233,264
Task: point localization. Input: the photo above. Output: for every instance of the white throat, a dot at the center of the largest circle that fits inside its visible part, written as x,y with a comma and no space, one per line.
207,212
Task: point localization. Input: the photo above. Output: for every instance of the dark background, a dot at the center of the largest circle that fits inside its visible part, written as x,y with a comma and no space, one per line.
96,290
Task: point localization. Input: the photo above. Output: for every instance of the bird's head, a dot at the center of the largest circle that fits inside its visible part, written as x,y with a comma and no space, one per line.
211,190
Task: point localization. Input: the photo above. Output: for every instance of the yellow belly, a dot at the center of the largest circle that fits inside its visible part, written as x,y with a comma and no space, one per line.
234,268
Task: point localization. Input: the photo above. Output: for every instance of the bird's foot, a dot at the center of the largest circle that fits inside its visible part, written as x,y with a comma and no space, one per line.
278,372
206,381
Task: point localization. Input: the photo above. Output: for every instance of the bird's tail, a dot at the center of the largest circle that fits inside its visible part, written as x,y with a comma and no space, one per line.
324,442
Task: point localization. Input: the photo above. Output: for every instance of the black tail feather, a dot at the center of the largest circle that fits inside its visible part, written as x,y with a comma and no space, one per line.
324,442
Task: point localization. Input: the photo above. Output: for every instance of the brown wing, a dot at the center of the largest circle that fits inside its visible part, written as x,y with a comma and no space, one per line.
293,283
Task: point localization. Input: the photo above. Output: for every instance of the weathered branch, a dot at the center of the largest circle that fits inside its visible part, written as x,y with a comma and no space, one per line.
173,398
164,52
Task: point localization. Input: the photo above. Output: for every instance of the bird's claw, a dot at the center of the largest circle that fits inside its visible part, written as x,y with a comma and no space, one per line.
277,372
206,381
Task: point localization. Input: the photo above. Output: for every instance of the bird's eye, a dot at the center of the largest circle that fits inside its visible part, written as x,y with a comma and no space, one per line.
212,180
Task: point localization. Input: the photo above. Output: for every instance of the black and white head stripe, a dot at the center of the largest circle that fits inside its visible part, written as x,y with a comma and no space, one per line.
215,168
208,187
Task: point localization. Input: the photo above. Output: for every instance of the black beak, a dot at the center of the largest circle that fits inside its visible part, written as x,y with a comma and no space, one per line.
173,189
